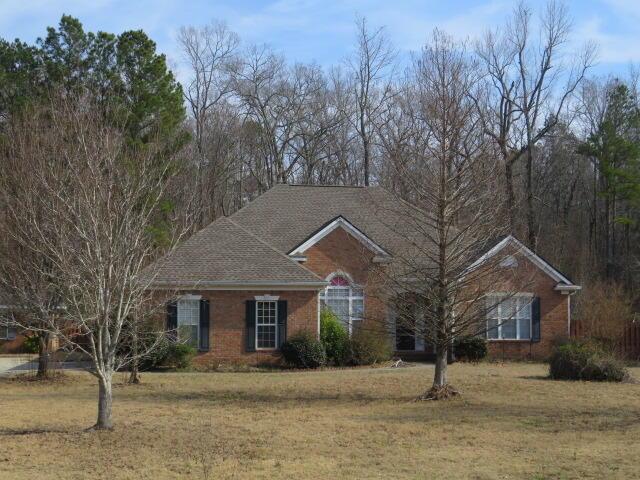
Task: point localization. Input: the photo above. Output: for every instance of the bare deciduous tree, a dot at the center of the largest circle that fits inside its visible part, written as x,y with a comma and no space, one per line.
89,211
370,70
450,181
529,86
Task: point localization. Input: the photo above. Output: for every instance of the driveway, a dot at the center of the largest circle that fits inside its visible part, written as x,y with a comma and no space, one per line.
28,363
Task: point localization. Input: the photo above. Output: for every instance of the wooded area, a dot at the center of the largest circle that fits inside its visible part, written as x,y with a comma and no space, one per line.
567,142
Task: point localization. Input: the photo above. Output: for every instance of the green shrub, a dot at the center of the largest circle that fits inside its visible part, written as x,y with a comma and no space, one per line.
179,355
303,350
334,337
470,348
369,347
576,360
31,345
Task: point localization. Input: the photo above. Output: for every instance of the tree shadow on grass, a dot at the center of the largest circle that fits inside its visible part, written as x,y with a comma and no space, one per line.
249,398
535,377
551,419
14,432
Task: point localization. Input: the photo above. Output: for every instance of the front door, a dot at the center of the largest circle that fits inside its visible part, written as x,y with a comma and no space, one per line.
405,333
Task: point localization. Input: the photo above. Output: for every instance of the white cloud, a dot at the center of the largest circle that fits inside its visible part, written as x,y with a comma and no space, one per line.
617,45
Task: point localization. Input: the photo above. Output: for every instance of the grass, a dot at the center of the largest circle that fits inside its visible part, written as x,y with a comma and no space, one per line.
511,423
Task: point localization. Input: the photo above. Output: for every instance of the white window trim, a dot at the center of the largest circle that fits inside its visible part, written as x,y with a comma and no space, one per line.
351,297
189,296
267,298
268,324
4,329
501,320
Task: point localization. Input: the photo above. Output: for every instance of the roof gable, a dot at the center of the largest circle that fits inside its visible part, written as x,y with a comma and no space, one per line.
286,216
563,282
338,222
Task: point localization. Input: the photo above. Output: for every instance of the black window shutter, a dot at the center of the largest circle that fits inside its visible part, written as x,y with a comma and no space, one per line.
282,322
204,325
172,319
251,325
535,320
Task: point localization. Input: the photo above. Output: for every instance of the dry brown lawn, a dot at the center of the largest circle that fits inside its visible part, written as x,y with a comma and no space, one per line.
510,423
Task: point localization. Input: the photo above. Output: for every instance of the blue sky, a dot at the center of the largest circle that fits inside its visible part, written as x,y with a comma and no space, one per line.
322,31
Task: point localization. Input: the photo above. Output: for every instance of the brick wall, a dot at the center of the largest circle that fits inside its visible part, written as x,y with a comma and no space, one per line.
12,346
227,332
554,312
339,251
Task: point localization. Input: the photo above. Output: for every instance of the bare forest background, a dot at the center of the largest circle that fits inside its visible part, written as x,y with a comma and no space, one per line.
561,146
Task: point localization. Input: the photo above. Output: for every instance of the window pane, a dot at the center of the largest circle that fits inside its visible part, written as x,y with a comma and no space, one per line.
509,328
338,292
266,336
525,328
188,334
357,292
266,320
508,308
355,325
339,281
340,307
188,321
492,326
492,306
524,307
357,304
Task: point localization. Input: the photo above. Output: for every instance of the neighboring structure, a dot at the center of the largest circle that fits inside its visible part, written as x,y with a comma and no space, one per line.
11,340
248,281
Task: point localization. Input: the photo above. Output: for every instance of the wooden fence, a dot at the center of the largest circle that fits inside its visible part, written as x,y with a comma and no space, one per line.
630,344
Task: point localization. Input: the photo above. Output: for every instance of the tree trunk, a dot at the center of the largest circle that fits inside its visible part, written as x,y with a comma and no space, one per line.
105,421
43,356
134,377
440,376
511,201
532,237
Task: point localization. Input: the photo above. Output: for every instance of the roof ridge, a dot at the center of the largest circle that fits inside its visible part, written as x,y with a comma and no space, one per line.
324,185
268,245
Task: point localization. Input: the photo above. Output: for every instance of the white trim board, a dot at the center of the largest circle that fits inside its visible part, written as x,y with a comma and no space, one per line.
312,286
339,222
563,282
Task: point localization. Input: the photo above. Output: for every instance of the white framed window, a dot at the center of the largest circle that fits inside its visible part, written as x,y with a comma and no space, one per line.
266,324
345,300
509,317
189,320
7,333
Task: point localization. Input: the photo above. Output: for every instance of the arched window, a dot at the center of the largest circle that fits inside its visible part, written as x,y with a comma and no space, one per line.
345,299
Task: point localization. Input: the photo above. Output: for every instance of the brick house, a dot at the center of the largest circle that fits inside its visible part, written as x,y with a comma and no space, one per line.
246,282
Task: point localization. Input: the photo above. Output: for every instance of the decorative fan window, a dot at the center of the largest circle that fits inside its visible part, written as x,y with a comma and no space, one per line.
345,300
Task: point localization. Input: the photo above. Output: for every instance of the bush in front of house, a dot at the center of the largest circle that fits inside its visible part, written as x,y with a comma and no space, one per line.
179,355
335,338
470,348
369,347
31,344
168,354
303,350
579,360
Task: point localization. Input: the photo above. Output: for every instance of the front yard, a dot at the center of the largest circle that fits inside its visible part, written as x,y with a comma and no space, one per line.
510,423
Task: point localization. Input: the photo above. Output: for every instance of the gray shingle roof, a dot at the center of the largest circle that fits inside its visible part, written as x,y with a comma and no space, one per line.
287,215
225,253
251,246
